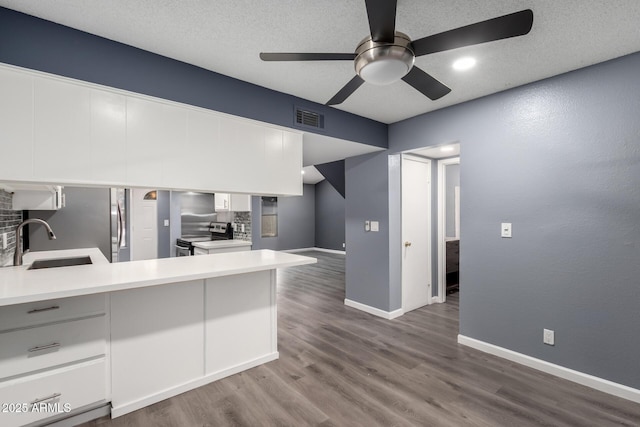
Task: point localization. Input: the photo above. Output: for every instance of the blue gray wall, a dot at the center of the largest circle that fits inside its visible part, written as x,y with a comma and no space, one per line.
41,45
560,159
84,222
296,222
329,212
165,247
367,262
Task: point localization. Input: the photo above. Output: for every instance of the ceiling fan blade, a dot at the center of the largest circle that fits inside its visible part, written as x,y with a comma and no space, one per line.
502,27
346,91
307,56
426,84
382,19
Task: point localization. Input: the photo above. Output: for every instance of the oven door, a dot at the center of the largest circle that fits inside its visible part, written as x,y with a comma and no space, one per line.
183,251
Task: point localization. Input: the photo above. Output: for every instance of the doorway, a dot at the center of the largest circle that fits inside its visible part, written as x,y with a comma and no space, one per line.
144,224
448,227
416,231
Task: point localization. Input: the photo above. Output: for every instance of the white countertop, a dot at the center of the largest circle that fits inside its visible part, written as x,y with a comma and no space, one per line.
19,285
219,244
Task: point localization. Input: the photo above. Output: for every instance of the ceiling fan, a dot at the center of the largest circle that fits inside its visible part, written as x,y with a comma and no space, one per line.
387,55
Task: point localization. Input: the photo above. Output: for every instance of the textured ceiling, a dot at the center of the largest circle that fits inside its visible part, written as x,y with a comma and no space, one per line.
226,36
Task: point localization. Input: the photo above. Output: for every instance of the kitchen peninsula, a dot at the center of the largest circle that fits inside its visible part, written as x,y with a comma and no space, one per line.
131,334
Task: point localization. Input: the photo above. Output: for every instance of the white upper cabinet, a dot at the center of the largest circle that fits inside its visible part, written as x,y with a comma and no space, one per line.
222,202
155,132
194,163
16,124
60,131
241,202
108,137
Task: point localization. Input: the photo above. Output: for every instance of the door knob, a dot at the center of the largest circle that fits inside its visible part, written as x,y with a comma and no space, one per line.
407,244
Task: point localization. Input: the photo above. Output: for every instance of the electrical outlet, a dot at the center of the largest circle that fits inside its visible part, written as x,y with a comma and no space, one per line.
343,246
166,222
548,337
375,226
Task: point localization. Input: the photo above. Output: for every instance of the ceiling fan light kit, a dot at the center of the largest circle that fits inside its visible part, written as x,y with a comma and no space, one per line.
384,63
387,55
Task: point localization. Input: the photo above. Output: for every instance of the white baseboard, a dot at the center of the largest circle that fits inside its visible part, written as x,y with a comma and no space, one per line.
597,383
375,311
329,251
125,408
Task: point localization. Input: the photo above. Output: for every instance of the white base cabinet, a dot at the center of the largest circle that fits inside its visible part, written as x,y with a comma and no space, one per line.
156,341
53,359
240,320
169,339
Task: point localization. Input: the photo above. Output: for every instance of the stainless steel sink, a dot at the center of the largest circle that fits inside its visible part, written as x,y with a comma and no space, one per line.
59,262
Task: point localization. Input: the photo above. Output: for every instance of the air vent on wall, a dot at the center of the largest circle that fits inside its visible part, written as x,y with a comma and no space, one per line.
308,118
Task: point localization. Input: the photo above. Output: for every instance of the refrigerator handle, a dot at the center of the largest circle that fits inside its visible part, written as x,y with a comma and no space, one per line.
120,226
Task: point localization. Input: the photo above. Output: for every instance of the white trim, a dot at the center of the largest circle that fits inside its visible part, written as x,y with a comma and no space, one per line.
591,381
329,251
442,244
190,385
389,315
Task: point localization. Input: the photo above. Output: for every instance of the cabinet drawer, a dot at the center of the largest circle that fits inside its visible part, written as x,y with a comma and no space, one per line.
26,350
60,391
200,251
36,313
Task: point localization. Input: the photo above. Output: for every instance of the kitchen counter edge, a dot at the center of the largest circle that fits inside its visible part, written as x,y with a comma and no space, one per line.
19,285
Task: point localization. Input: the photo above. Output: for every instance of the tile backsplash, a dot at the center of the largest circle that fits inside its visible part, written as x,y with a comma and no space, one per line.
9,219
242,218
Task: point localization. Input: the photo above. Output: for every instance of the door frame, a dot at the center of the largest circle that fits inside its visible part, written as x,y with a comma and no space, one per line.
442,244
429,162
134,207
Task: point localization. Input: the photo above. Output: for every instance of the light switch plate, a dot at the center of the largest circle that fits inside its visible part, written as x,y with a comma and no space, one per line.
367,226
375,226
4,241
505,229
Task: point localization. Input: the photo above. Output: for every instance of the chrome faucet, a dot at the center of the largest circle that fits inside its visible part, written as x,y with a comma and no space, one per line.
17,256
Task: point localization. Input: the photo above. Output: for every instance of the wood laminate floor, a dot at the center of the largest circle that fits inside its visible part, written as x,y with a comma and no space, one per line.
341,367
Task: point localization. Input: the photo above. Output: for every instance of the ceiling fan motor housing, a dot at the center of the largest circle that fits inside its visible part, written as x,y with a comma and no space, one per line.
384,63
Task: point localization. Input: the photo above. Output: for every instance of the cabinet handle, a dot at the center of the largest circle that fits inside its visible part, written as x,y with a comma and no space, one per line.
44,399
44,347
39,310
407,244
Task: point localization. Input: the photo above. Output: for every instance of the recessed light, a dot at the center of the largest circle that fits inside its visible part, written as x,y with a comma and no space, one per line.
464,64
446,149
302,172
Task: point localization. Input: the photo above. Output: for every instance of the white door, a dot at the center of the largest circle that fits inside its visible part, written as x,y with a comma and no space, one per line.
416,232
144,223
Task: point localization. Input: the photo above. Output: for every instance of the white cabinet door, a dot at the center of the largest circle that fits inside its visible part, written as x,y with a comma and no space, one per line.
108,137
240,320
155,131
16,125
241,203
156,342
291,166
62,129
241,167
197,151
222,202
